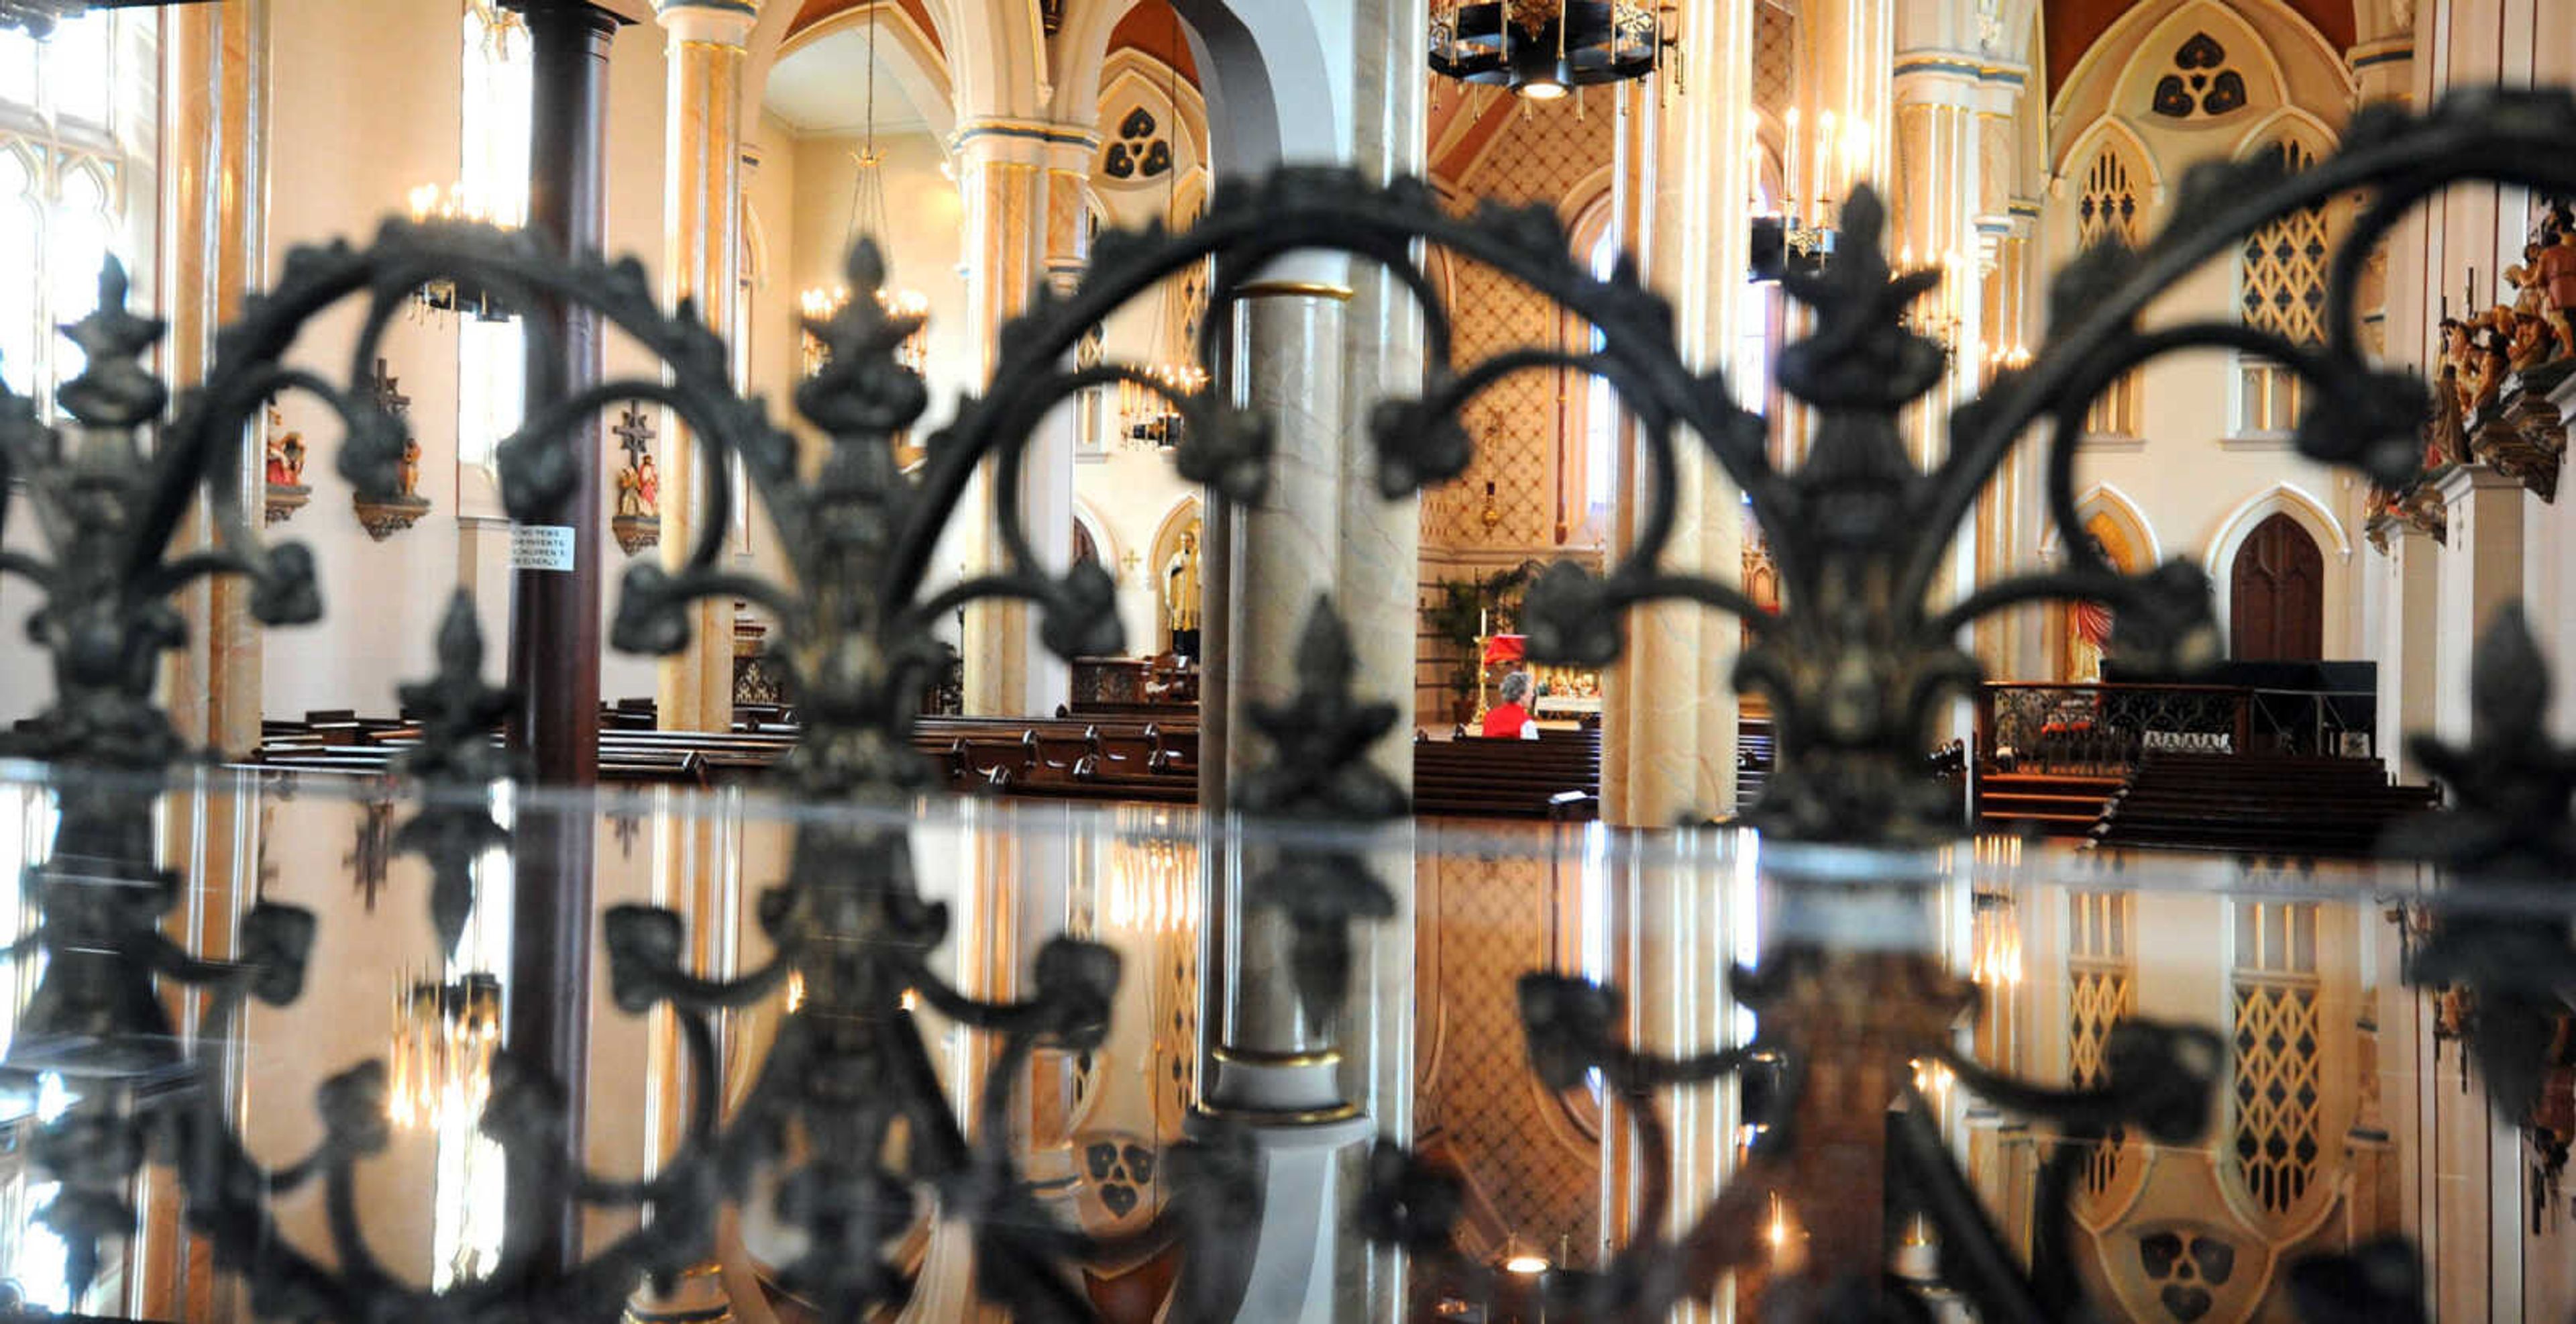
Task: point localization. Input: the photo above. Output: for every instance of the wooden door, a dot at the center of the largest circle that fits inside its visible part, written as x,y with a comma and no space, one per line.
2276,596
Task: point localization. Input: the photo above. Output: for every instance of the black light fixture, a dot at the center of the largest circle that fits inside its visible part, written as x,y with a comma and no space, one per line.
1545,49
37,18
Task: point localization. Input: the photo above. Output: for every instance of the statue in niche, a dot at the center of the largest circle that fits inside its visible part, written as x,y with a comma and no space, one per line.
385,517
638,521
284,453
1181,595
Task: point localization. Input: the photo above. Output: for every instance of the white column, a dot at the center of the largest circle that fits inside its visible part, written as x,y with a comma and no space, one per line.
2481,572
1668,743
1006,170
2409,585
702,258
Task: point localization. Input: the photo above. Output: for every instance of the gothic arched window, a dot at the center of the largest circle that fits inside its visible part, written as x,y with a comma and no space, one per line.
78,122
2281,288
2108,212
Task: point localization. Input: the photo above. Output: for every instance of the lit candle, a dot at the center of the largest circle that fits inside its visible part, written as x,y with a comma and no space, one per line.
1791,172
1856,144
1824,164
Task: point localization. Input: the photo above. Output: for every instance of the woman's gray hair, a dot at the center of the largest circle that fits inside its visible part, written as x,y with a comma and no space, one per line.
1516,687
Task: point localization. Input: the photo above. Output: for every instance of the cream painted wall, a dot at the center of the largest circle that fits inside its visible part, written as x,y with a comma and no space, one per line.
367,110
2189,471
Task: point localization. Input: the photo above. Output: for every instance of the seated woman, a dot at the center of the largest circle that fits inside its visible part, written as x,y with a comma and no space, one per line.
1511,717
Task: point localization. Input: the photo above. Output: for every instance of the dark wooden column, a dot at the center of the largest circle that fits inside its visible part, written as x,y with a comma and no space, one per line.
554,613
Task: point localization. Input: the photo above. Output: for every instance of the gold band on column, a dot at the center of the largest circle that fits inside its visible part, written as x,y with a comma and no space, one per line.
1293,289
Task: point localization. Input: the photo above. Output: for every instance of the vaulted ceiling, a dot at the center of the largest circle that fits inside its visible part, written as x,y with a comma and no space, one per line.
2072,26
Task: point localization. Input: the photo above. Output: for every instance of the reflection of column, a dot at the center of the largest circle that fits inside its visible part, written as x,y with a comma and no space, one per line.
702,207
2481,572
2409,587
1009,172
1668,739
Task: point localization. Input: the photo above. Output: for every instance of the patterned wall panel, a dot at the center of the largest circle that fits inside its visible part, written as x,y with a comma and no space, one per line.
1545,155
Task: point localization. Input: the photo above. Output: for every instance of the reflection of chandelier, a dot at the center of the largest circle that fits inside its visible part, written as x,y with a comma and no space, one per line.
1543,49
868,218
1995,941
444,1037
1149,885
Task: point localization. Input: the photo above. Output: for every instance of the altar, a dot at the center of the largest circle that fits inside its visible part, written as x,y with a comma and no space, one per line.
1562,696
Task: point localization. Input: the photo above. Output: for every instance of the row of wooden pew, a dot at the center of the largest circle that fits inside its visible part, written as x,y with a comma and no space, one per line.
2271,805
1089,759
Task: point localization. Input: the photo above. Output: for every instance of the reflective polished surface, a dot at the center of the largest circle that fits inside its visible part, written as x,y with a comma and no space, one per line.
2359,1086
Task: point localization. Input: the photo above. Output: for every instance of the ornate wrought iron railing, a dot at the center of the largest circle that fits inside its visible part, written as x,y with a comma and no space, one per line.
1857,666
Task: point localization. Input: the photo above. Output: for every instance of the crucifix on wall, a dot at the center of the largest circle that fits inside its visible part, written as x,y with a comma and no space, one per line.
384,517
638,522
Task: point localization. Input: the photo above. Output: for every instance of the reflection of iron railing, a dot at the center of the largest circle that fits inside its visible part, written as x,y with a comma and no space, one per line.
2104,728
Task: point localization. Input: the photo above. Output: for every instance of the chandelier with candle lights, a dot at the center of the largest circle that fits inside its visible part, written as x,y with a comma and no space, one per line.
1818,163
439,298
1545,49
867,218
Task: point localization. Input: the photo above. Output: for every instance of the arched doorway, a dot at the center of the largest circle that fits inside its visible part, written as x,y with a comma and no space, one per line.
2276,595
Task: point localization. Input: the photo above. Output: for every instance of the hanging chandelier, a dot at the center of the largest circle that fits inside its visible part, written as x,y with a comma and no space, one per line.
1545,49
868,219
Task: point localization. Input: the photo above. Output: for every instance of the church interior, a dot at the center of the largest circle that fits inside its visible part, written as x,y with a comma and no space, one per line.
1163,583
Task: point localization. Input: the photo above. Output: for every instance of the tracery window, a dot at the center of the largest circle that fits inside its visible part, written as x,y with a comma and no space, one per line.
2108,213
2101,992
2281,288
78,125
2201,84
2275,1142
491,356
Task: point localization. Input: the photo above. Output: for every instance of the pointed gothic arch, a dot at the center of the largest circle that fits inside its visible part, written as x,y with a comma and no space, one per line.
2312,516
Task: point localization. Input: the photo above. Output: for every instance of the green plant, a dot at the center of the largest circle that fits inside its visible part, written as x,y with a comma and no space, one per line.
1480,601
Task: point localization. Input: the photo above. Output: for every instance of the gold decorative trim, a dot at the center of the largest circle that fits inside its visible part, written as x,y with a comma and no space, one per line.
1283,289
1340,1112
1253,1057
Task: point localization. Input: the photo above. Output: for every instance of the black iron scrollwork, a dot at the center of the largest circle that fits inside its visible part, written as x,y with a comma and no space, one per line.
1856,664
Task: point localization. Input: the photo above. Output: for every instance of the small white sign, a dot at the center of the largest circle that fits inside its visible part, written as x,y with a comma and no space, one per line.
541,547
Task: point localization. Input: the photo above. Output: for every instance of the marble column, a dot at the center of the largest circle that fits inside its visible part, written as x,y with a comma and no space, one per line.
1009,173
1668,738
2409,590
212,129
2011,513
1277,558
2481,571
702,259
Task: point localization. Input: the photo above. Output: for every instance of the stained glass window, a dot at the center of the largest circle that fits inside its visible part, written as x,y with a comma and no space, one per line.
2281,288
